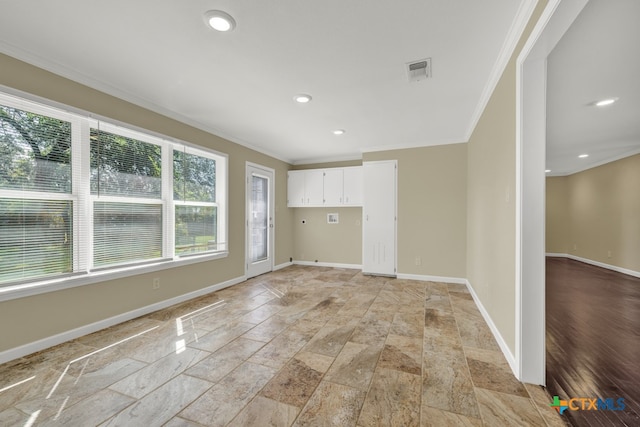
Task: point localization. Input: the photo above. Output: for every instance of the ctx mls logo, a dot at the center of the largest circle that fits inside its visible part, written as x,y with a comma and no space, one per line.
588,404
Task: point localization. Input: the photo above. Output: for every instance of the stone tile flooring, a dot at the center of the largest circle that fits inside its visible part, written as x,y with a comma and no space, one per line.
301,346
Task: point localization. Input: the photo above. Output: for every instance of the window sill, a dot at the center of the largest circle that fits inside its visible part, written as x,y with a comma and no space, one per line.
44,286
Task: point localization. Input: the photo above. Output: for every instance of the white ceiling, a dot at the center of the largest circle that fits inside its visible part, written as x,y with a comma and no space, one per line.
597,58
349,55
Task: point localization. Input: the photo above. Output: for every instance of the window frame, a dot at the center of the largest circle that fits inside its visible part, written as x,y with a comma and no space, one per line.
219,203
84,273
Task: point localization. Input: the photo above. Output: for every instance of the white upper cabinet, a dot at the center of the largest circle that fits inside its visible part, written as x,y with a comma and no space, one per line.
305,188
325,187
352,193
333,182
295,188
313,187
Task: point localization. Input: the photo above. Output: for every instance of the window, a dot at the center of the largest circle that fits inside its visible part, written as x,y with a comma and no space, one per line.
36,205
194,195
126,188
78,195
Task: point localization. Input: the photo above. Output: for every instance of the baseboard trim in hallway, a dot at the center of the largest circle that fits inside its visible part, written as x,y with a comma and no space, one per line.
427,278
511,360
596,263
42,344
328,264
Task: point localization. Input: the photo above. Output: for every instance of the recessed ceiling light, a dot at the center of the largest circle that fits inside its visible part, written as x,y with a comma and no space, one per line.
583,156
302,98
605,102
339,132
219,20
547,170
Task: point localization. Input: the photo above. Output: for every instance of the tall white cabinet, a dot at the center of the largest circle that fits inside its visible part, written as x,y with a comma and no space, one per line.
379,217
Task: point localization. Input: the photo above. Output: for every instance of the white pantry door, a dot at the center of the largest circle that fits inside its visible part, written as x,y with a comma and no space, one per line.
379,218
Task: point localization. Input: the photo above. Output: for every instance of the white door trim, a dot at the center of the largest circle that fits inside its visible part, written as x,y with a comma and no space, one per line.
271,237
530,186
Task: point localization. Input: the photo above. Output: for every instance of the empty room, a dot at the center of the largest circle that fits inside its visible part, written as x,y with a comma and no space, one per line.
284,213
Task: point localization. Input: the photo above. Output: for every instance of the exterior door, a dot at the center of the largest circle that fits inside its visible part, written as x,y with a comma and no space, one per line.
379,218
260,220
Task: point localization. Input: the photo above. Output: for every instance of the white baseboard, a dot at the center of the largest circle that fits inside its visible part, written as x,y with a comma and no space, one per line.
281,266
597,264
494,330
328,264
23,350
425,278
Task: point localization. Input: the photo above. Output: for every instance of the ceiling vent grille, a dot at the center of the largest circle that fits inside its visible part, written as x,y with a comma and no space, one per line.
419,70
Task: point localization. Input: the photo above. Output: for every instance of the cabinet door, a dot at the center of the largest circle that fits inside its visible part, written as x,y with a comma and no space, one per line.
295,188
379,218
313,187
352,186
333,179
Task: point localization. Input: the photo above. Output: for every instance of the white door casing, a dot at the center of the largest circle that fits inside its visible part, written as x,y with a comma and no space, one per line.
531,89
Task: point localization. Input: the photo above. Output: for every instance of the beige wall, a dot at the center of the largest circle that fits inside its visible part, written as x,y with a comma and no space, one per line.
491,228
432,197
556,221
32,318
601,214
316,240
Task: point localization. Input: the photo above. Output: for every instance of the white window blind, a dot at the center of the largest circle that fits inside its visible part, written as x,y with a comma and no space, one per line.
36,206
126,178
125,233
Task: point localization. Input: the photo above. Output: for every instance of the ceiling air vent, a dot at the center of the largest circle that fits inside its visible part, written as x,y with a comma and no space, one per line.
419,70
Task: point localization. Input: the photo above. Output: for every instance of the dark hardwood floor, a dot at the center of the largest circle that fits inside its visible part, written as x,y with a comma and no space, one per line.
593,339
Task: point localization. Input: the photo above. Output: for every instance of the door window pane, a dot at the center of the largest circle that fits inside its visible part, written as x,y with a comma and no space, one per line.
259,219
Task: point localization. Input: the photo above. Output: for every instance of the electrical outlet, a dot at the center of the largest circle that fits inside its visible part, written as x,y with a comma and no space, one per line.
418,260
575,247
156,283
609,254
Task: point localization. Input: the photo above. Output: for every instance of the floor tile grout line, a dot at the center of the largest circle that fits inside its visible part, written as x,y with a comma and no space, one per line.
376,365
464,353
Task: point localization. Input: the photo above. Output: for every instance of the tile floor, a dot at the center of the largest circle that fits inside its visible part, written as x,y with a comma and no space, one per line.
300,346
